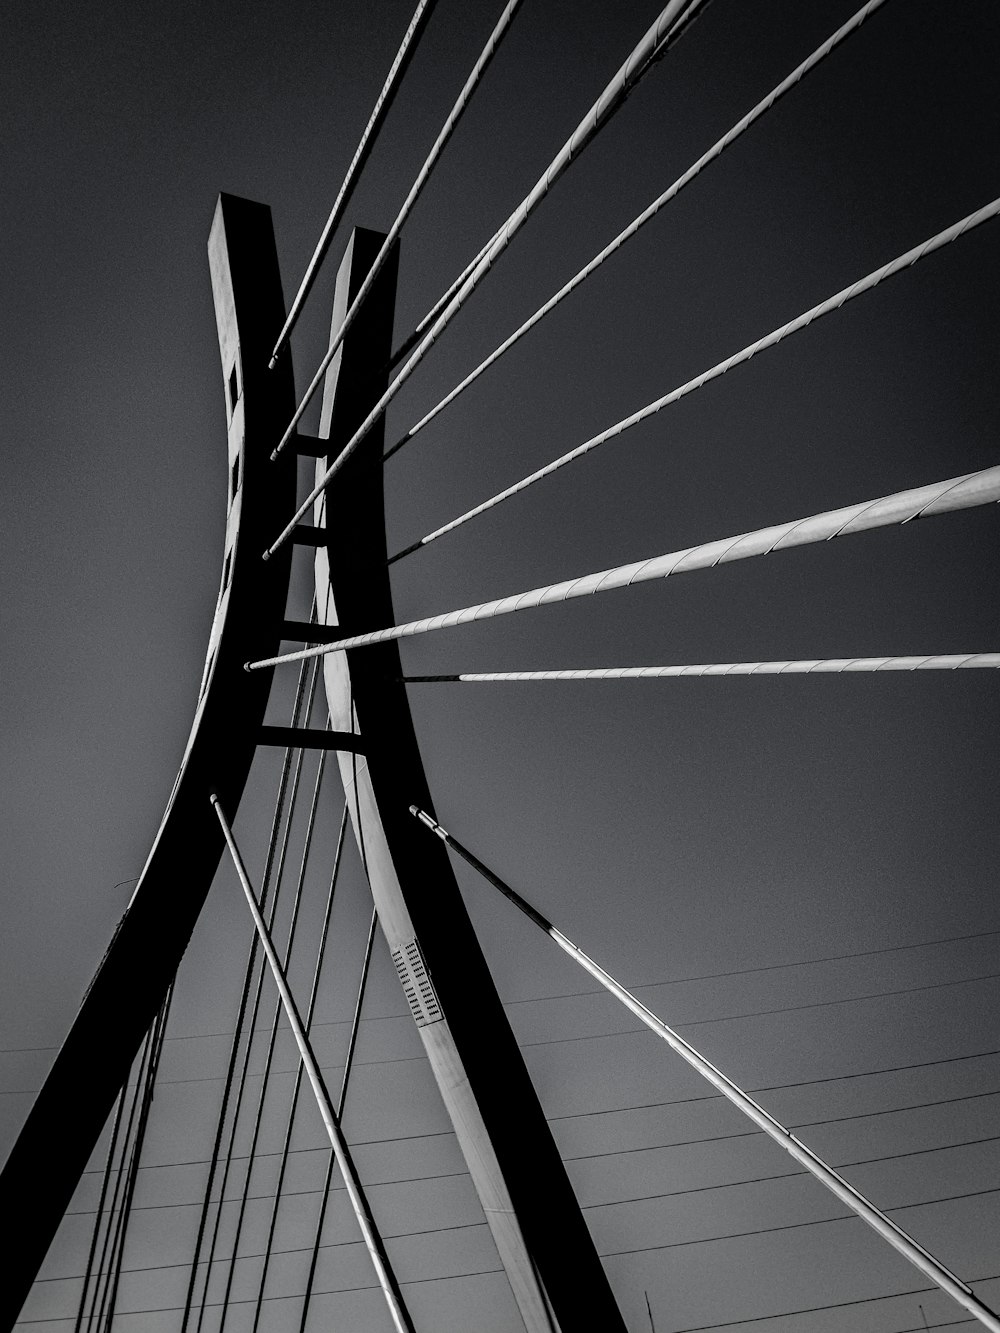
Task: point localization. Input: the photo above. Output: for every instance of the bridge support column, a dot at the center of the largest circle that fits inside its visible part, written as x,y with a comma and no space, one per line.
543,1241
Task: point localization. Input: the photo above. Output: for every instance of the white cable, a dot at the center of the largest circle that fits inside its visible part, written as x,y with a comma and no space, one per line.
965,492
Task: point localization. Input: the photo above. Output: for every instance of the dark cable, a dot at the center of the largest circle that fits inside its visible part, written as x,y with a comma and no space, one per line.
118,1251
310,1009
88,1271
348,1061
273,1028
237,1035
100,1283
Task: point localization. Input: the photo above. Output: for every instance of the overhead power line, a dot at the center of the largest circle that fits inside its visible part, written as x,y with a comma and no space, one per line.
835,1305
797,1226
269,1195
876,1218
598,990
625,1032
621,1110
328,1291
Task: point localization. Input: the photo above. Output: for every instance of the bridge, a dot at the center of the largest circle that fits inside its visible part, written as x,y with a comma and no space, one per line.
574,972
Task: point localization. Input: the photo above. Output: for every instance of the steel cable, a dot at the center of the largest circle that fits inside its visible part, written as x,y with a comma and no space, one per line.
292,760
423,175
621,1110
106,1174
808,667
296,1087
716,151
107,1316
273,1029
965,492
367,142
671,21
331,1163
865,284
100,1283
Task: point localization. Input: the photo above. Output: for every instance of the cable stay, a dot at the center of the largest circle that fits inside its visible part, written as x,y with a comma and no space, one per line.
411,340
105,1273
716,151
277,846
669,25
297,1085
809,667
965,492
341,1103
889,1230
101,1272
369,134
865,284
272,1030
109,1304
88,1272
373,1241
423,175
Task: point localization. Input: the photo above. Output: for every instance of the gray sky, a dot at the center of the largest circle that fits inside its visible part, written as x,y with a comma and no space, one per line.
676,828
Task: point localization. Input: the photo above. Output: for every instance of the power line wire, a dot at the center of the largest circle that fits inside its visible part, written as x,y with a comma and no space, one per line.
448,1133
579,1157
597,990
622,1032
333,1291
793,1226
834,1305
297,1249
783,1009
608,1255
759,1180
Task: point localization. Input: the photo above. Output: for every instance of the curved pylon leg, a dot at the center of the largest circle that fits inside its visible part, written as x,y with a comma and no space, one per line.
61,1129
544,1244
